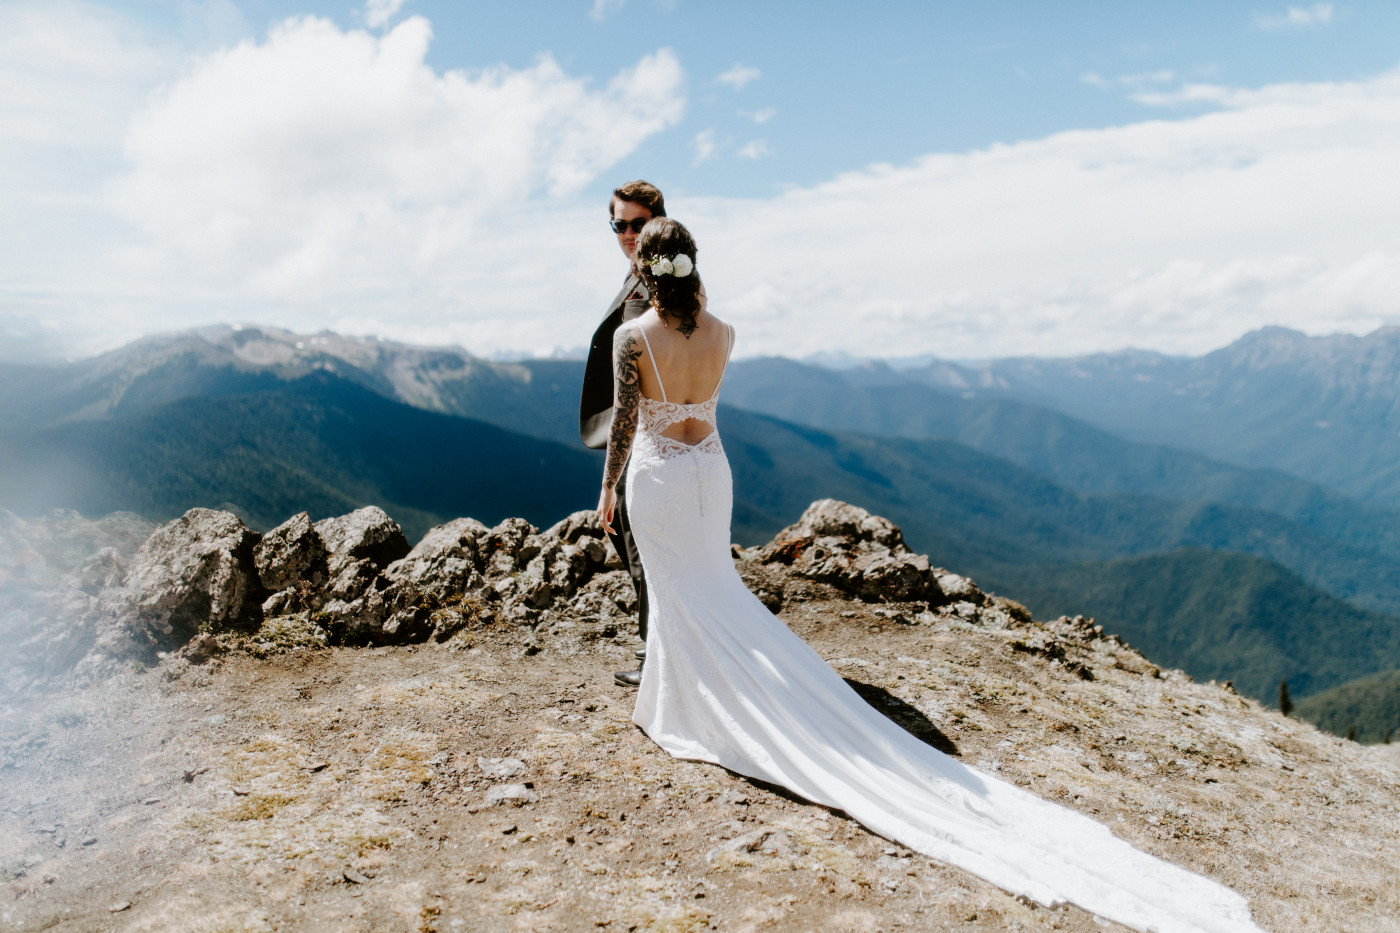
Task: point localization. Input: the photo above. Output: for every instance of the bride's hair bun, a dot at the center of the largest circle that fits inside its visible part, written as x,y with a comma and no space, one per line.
673,294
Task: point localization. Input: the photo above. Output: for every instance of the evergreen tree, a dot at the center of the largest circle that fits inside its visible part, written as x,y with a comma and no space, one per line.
1285,702
1387,736
1351,732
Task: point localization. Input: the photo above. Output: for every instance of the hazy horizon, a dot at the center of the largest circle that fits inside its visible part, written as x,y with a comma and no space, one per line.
827,359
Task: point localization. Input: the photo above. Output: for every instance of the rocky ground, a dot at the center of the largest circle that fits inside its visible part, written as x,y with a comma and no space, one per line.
295,767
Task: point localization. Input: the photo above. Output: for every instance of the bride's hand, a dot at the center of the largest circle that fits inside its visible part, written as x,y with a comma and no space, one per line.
606,502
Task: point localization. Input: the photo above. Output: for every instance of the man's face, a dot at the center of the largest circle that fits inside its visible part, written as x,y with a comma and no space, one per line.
631,212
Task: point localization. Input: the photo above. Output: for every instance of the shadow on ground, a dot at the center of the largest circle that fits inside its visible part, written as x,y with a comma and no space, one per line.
903,715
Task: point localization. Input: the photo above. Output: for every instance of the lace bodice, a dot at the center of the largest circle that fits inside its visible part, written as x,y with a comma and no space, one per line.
659,415
656,415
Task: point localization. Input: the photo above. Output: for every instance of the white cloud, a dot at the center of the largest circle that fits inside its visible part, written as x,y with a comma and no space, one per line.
1296,17
754,149
738,76
325,176
759,116
1180,235
379,12
1139,80
321,161
704,145
1152,89
1187,95
602,9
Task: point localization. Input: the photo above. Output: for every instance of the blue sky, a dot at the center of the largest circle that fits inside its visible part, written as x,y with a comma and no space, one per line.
958,179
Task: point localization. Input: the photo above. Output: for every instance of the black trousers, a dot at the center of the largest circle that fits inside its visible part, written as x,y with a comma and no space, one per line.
626,547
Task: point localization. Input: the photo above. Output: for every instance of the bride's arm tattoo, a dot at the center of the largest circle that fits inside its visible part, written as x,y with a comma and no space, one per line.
627,400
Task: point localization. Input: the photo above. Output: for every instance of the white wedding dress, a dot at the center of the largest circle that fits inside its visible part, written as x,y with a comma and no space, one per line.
727,682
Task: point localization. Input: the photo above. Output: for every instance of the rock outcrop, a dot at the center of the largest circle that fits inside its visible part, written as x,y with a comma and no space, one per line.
195,573
205,578
863,555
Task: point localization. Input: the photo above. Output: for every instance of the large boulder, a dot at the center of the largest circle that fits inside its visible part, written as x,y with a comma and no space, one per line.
580,527
446,563
436,575
862,554
359,545
830,518
293,564
562,559
382,591
509,547
291,554
194,573
365,534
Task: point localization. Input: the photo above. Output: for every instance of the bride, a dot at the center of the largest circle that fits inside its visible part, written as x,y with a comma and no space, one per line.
727,682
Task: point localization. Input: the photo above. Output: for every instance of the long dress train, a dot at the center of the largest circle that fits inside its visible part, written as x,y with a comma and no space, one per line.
727,682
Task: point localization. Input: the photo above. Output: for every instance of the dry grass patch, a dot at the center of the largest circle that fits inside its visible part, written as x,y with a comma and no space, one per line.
399,764
258,807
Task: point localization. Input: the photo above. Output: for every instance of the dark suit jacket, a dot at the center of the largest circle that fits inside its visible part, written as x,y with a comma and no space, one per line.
595,409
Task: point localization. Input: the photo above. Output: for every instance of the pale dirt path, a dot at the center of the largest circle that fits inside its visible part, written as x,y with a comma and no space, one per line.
315,766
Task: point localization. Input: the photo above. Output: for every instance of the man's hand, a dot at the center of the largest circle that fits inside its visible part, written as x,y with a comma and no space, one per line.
606,502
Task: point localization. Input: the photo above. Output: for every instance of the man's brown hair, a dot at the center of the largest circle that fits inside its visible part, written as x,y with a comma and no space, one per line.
639,192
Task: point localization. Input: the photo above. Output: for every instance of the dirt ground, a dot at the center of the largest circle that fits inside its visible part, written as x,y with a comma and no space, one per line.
496,782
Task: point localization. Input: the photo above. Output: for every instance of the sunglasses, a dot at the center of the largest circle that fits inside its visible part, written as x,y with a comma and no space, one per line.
620,226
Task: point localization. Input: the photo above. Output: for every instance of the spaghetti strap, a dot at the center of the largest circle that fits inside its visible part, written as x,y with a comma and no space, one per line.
654,367
724,372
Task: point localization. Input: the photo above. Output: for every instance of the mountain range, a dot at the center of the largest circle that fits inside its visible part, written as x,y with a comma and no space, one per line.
1326,409
1231,572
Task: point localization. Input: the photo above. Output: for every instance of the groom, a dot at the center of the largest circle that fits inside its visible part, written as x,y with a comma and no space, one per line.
631,206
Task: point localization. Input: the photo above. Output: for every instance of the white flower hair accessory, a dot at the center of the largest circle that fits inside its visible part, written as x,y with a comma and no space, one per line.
679,265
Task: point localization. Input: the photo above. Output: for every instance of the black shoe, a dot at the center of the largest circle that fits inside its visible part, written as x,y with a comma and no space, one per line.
641,653
628,678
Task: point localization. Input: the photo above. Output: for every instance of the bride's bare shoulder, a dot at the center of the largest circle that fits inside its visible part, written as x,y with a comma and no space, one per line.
706,318
728,330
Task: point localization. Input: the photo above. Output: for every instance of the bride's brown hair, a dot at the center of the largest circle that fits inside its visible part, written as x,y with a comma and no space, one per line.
676,296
